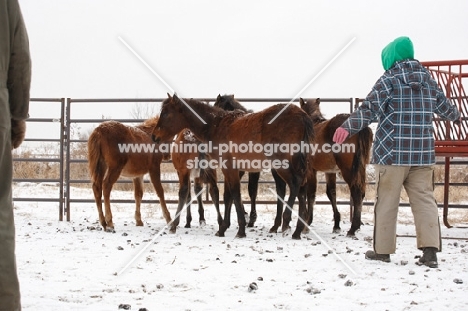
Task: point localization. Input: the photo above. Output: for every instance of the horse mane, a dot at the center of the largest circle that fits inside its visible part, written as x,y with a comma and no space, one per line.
312,108
204,106
148,125
228,103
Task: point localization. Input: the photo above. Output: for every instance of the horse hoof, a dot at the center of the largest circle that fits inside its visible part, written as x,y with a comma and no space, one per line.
139,224
202,223
187,226
296,236
172,231
273,230
110,230
221,235
240,235
336,230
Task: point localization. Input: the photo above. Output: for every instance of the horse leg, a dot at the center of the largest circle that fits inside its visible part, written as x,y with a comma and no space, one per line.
198,187
97,190
188,202
302,219
226,223
253,189
138,192
232,180
236,197
184,191
311,190
331,194
155,176
241,174
110,179
294,187
214,192
357,196
281,193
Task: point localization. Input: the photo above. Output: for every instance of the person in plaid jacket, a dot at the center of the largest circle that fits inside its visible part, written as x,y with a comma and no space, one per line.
403,102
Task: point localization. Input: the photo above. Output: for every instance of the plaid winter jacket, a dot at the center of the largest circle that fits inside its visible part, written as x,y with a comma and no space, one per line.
403,101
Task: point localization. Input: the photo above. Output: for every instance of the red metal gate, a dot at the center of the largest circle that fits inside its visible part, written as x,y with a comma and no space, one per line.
451,139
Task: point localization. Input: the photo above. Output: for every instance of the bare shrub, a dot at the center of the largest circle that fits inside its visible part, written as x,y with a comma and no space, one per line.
28,164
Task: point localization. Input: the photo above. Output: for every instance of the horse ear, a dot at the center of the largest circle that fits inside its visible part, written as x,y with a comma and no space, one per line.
232,96
317,101
301,101
219,97
169,95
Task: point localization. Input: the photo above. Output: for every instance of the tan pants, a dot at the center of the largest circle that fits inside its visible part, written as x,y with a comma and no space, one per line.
9,286
418,182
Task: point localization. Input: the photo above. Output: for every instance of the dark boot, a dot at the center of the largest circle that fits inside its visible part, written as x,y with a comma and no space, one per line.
371,255
429,257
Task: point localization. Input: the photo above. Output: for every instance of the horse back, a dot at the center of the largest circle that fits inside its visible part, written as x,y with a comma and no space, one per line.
111,136
329,127
352,163
288,126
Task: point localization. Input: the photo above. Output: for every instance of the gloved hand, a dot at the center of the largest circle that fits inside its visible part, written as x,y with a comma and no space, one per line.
340,135
18,130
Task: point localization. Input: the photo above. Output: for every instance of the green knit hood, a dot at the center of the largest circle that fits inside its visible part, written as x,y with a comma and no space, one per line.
399,49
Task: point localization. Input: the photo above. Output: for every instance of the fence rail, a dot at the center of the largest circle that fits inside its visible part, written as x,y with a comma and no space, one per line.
65,160
59,159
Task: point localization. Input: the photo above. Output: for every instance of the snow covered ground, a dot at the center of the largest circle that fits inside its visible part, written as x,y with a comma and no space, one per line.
75,265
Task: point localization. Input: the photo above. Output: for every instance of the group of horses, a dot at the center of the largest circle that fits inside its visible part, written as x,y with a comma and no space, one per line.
192,121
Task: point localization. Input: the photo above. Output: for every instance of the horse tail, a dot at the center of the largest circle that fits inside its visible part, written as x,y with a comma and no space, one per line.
362,156
96,164
307,139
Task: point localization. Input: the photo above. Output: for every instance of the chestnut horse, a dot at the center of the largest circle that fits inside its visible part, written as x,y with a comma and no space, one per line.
106,162
212,124
184,151
351,163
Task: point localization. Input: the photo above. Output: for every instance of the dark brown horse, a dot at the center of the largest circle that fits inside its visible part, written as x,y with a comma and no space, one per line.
184,154
228,103
351,163
212,124
107,160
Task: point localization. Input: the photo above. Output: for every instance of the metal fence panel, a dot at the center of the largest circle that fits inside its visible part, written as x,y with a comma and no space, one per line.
65,157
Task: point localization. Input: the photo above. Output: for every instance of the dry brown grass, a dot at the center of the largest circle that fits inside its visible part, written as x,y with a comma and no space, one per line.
33,169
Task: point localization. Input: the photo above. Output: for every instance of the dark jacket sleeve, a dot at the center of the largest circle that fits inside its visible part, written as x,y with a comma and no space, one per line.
19,71
371,108
444,108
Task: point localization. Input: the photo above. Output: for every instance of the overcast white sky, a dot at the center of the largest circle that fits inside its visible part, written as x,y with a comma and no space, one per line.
246,48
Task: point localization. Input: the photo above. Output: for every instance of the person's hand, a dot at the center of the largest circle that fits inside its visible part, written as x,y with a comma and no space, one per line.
340,135
18,130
